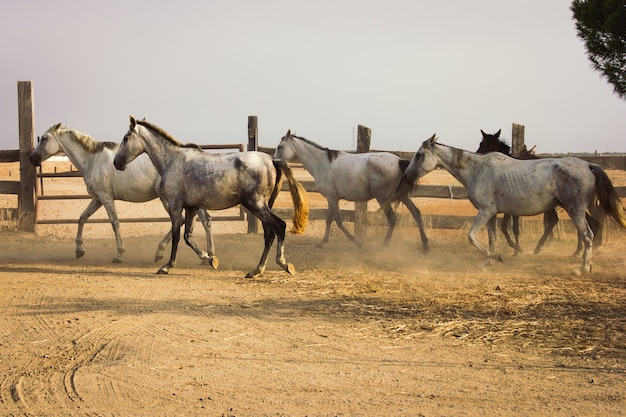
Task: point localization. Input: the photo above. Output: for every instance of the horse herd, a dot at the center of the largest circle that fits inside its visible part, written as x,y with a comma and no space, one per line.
151,163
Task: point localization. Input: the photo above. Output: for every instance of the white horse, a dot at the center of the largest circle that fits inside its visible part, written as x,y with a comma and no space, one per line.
353,177
497,183
94,159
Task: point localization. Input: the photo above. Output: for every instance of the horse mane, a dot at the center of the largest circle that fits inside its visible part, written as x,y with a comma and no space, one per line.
457,155
330,153
90,144
167,136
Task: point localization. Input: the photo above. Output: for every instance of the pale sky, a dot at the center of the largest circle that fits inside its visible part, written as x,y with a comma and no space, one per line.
406,69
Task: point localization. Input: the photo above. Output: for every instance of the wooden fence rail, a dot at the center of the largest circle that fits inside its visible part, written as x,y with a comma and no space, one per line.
25,187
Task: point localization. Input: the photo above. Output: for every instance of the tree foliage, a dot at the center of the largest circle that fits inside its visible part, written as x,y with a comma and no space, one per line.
601,24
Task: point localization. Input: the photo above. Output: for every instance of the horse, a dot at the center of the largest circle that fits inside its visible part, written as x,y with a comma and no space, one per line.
493,143
353,177
497,183
192,179
105,184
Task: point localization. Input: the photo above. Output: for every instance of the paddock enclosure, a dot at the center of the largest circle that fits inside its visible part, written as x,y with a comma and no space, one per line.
355,332
371,331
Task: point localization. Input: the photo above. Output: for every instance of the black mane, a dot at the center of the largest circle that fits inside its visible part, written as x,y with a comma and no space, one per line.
331,153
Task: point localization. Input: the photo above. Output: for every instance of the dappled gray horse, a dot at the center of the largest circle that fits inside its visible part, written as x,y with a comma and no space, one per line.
492,143
192,179
353,177
497,183
105,184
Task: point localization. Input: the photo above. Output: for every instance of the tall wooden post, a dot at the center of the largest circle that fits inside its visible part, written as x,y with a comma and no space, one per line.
517,140
364,138
253,132
26,116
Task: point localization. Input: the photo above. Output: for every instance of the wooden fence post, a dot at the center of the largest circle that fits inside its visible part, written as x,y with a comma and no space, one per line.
364,137
26,196
517,140
253,131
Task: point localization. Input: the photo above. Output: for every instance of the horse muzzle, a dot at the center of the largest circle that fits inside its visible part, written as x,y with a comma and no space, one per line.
35,159
119,165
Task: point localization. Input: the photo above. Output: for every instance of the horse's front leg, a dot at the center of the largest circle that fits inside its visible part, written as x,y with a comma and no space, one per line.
492,233
518,248
115,224
93,206
480,221
504,227
550,219
337,217
391,221
175,213
190,217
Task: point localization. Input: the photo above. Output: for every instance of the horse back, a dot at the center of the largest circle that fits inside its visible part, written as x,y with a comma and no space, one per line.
218,181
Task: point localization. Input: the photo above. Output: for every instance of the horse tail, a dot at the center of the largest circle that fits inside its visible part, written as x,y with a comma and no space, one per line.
402,189
298,196
607,197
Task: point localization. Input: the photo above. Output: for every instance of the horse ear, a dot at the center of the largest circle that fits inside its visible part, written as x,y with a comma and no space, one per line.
432,139
288,133
497,134
532,150
133,122
56,126
483,133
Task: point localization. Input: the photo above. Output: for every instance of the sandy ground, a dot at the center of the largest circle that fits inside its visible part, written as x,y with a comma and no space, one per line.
356,332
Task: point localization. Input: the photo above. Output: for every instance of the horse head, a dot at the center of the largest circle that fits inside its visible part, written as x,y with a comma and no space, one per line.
284,150
493,143
424,161
47,145
130,147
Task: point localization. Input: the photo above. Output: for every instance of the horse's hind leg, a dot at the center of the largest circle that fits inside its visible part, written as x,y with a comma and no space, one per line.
272,226
596,228
417,215
586,234
93,206
190,218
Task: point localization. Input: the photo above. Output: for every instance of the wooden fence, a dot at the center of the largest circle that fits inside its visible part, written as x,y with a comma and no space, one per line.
26,188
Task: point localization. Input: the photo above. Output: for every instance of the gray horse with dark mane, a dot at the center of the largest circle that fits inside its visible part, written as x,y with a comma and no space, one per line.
192,179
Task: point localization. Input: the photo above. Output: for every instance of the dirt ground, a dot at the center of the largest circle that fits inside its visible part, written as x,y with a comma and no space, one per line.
356,332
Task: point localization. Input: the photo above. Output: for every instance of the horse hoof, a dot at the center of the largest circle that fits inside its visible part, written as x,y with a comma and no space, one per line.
289,268
157,258
426,249
499,258
117,261
211,260
79,253
163,271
